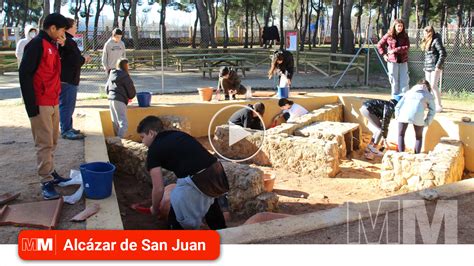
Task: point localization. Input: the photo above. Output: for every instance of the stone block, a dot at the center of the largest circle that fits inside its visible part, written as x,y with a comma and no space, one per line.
444,165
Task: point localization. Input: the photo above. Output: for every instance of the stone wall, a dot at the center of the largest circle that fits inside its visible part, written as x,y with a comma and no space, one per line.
346,135
280,149
443,165
246,195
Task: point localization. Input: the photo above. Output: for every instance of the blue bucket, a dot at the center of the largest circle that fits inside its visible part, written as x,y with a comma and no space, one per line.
283,92
144,99
97,179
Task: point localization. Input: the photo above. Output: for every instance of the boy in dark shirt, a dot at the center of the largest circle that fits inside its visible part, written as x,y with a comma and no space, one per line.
201,178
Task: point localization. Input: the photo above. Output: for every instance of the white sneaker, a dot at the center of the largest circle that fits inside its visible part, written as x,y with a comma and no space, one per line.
439,109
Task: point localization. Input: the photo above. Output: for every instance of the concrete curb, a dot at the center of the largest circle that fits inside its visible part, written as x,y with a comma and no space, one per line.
318,220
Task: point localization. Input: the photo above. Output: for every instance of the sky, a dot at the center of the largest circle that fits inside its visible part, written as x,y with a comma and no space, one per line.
173,17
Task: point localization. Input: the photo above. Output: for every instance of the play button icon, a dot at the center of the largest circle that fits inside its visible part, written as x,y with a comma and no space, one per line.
237,133
233,142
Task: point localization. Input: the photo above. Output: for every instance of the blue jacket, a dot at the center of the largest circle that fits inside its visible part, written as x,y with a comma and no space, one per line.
411,108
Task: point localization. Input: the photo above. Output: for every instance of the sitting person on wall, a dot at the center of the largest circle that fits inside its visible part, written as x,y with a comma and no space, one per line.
201,177
229,81
120,90
289,111
249,118
378,113
411,110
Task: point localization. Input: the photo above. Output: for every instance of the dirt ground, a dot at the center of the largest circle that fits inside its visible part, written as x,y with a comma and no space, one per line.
358,180
351,233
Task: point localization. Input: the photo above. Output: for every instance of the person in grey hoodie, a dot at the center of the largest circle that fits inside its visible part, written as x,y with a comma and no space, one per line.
30,33
114,49
120,90
411,110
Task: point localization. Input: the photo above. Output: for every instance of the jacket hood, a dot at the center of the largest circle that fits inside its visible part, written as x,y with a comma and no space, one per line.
117,74
28,29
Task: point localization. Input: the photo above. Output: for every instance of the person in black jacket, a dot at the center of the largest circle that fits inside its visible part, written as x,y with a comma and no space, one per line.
378,113
71,63
248,118
229,80
120,90
283,63
435,55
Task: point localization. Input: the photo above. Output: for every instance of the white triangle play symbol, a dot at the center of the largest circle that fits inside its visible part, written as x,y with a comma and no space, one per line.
237,133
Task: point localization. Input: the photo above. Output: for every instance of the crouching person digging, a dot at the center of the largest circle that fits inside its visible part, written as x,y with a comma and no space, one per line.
201,178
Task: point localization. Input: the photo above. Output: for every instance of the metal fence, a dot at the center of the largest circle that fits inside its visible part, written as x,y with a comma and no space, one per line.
145,58
458,73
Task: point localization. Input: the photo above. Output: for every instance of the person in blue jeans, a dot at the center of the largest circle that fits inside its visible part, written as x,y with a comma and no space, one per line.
71,63
411,110
282,65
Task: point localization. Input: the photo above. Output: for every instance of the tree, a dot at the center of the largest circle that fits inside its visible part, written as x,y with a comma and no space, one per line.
459,14
46,8
406,12
162,23
116,8
133,23
99,7
348,34
282,32
212,9
126,6
336,9
57,6
204,23
87,14
226,27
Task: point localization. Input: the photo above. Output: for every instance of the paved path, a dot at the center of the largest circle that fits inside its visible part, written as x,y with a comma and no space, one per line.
175,82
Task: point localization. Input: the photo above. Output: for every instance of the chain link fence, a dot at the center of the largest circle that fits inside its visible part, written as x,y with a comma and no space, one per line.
145,58
458,73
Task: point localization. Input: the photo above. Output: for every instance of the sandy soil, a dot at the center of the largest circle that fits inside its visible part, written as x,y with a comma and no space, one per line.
358,180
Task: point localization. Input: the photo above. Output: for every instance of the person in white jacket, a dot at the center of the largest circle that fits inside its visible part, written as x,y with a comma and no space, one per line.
30,33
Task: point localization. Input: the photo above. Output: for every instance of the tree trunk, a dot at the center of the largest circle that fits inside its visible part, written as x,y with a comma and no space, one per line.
336,8
96,22
406,12
384,14
251,28
259,26
226,28
316,26
268,13
341,22
126,11
348,45
46,8
57,6
213,16
459,13
304,28
204,23
310,14
358,25
282,33
133,23
193,44
116,6
246,36
77,8
424,19
87,11
163,23
442,14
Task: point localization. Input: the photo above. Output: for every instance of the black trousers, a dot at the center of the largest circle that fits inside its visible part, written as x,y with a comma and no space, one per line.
214,218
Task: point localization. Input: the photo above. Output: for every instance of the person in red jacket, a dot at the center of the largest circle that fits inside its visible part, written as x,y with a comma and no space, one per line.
40,82
394,47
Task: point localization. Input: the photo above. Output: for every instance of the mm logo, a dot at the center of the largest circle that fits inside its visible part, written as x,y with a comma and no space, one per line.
37,244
